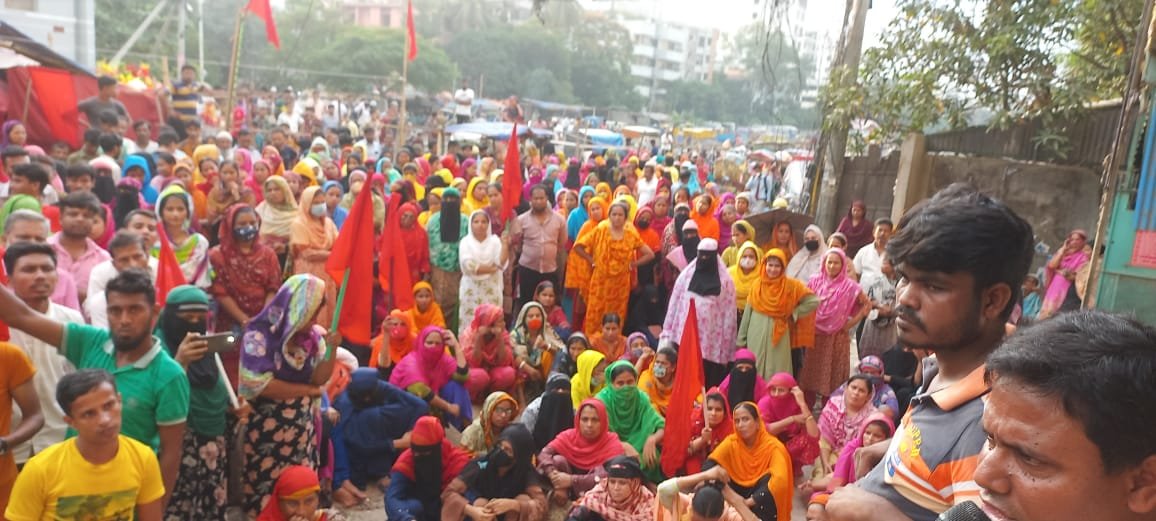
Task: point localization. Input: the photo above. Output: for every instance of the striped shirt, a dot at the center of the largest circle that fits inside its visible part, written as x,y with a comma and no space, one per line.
930,463
185,98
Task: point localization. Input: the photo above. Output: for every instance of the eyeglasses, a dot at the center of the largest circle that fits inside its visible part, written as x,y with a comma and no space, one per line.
504,411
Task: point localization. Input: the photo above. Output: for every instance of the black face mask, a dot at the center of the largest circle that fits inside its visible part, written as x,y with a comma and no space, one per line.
177,329
811,245
642,225
488,336
499,458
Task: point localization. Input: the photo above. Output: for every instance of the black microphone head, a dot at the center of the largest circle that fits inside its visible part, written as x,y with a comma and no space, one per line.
966,511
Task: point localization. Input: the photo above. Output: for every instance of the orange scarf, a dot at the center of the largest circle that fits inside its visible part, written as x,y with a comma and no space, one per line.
307,230
430,317
746,465
398,348
777,297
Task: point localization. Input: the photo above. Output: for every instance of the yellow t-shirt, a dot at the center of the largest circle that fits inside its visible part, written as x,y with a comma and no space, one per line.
60,484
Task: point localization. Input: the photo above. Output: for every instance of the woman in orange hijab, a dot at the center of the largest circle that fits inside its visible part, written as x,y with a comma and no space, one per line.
777,316
425,311
758,464
702,213
399,329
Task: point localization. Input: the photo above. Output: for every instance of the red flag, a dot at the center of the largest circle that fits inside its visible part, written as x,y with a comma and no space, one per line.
410,34
5,335
352,255
511,177
687,387
264,12
169,274
393,268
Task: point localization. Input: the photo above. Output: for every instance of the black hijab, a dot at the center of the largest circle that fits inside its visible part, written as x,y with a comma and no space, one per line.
556,412
706,280
451,217
203,373
573,178
488,483
742,383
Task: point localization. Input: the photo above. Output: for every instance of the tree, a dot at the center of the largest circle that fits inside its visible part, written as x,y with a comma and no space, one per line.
941,62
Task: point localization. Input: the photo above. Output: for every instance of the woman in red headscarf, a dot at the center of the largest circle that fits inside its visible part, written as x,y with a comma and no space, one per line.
490,352
788,417
416,243
710,424
573,460
297,495
423,472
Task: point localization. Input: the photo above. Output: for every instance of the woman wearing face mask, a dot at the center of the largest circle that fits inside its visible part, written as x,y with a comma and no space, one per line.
809,260
745,272
398,327
446,230
743,383
277,212
680,257
551,413
710,424
501,483
621,496
657,381
489,351
423,472
311,238
643,222
741,233
535,346
787,416
588,381
498,412
573,460
777,317
246,273
758,465
632,417
707,283
435,376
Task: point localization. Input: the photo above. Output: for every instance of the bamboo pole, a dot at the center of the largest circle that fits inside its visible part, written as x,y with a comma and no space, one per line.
234,60
402,123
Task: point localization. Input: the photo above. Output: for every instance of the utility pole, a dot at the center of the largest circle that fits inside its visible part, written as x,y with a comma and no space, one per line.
845,69
182,18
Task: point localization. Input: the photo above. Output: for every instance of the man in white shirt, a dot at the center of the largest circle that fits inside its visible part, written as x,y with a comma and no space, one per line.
33,278
370,142
869,261
143,142
464,102
647,185
128,251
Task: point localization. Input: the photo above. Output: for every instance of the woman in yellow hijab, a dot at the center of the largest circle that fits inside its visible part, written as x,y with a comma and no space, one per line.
201,153
305,169
603,189
745,273
475,197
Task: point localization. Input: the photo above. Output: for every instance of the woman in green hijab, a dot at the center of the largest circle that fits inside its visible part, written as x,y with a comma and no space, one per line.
18,202
632,417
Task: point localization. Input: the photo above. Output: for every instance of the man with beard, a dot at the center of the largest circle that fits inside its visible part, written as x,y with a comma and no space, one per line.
540,243
153,385
423,472
961,257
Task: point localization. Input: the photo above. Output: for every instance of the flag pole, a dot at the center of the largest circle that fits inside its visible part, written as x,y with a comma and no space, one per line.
337,311
401,124
234,62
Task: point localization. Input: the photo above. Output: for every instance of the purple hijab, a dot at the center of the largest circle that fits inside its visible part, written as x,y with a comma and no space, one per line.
282,342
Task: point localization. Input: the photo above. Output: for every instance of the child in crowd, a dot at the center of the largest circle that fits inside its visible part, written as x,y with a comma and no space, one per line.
425,311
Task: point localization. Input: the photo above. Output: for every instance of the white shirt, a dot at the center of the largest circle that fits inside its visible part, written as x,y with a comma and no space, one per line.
646,189
134,148
463,101
51,366
868,264
94,304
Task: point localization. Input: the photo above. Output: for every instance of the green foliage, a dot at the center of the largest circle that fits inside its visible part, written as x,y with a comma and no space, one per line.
942,62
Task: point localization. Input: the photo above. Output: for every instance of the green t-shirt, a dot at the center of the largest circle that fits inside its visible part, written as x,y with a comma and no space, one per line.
154,389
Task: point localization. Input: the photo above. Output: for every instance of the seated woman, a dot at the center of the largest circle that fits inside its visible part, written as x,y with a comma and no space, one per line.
609,341
744,384
489,352
297,495
535,346
547,295
550,413
573,460
657,381
710,424
619,497
841,419
708,502
375,416
788,417
497,413
758,465
436,377
395,341
638,345
425,311
567,361
878,428
589,380
422,473
882,396
632,417
502,483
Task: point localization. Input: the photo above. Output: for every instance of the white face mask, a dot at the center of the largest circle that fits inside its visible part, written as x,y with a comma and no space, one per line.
747,263
317,210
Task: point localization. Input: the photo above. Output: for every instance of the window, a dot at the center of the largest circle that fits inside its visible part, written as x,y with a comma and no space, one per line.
23,5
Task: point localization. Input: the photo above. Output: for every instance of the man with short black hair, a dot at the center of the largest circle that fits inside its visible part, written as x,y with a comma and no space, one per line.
186,93
868,262
129,249
192,137
76,253
27,179
539,243
960,257
9,158
29,226
111,145
143,132
1070,422
168,142
89,150
32,276
105,99
79,178
154,387
98,473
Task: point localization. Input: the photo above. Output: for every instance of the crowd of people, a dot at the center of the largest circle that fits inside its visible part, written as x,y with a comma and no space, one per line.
523,364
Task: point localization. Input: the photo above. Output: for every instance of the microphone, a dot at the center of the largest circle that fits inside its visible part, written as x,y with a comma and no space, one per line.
966,511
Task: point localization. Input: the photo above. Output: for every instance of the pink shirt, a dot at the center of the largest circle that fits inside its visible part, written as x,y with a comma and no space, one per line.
541,242
65,293
79,268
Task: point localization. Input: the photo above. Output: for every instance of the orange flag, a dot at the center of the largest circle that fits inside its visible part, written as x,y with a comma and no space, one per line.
351,265
263,11
410,34
169,274
511,177
393,265
688,386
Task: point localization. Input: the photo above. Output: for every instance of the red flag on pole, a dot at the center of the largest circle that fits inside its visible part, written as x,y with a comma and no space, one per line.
511,177
263,11
410,34
5,335
393,265
351,265
687,387
169,274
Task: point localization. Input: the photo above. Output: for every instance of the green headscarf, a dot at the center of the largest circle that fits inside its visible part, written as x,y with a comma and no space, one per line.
629,410
18,202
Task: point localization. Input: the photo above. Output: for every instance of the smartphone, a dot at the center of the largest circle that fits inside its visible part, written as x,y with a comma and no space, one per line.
221,342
